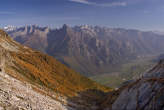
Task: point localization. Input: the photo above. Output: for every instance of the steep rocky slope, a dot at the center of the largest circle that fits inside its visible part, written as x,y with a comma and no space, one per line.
146,93
90,50
32,80
16,95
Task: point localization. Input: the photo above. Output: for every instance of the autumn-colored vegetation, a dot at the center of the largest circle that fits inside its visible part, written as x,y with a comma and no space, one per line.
44,70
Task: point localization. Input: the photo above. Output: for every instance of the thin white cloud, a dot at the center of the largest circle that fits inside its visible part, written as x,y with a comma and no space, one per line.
81,1
112,4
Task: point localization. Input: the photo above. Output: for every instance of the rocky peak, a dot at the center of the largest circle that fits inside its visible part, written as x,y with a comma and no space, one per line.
66,29
65,26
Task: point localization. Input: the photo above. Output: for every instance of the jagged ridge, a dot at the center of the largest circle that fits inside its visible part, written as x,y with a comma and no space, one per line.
100,48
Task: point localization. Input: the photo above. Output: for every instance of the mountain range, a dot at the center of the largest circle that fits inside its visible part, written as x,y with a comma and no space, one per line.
90,50
31,80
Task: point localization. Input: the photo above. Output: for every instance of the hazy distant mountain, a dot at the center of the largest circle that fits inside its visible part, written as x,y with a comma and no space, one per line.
9,28
90,50
159,32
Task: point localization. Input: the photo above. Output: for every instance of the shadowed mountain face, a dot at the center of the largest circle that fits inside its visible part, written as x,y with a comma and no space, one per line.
90,50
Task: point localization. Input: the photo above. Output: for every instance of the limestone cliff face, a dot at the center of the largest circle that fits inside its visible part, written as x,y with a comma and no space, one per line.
146,93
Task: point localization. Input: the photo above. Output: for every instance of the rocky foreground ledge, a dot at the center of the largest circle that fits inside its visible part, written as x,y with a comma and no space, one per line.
147,93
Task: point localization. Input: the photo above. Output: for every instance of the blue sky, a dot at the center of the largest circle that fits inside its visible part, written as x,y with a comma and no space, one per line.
136,14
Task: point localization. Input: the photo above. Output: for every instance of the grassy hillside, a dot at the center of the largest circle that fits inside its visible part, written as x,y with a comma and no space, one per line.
46,71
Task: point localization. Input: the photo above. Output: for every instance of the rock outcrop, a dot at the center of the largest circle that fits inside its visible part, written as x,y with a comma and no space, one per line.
146,93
